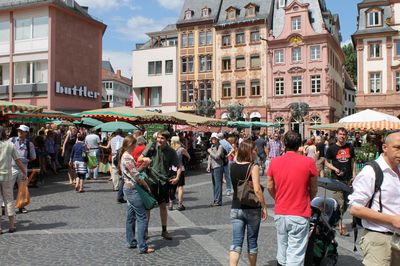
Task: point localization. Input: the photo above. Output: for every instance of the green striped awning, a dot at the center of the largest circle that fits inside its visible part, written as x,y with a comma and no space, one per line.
6,107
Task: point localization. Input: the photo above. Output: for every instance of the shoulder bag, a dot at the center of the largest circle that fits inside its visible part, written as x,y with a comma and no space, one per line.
245,191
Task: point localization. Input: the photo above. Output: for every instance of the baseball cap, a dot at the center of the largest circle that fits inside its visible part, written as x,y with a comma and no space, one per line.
214,135
23,128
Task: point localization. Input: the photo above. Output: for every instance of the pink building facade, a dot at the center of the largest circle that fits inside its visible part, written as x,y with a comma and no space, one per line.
304,65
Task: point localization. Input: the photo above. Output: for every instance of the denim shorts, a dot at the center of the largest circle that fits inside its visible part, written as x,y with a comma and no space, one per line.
245,220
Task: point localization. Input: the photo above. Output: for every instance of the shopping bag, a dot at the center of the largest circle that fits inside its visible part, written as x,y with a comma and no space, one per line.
92,161
147,198
23,197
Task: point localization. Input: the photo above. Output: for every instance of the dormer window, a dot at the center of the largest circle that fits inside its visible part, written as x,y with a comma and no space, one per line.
188,14
282,3
251,10
231,13
374,18
205,12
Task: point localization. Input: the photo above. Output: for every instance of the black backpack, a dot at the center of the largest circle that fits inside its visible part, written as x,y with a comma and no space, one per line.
378,184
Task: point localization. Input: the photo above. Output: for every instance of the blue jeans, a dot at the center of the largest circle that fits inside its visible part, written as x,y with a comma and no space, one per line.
95,170
292,236
241,220
216,174
120,193
135,213
228,177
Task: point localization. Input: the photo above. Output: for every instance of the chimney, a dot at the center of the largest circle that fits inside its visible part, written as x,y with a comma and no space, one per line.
119,73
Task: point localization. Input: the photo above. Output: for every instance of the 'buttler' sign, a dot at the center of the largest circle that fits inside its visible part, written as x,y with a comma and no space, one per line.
81,91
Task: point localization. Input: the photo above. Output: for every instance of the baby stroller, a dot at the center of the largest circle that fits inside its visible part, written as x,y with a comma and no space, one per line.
322,246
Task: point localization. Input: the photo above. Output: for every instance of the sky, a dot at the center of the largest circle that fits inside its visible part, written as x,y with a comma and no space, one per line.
128,21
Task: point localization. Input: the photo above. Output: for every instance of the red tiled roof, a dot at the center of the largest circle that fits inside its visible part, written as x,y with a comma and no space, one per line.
108,75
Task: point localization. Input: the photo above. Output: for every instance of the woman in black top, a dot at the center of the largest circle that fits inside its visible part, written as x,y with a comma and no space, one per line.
246,217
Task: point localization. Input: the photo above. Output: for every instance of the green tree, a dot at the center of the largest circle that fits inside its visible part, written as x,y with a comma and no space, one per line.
350,61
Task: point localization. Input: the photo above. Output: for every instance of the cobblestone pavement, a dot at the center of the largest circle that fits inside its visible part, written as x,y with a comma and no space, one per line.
67,228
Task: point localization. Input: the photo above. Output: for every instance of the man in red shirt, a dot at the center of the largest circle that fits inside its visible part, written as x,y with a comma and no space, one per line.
292,182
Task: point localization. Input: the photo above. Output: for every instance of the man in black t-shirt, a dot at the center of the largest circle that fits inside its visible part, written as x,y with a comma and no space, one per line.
340,160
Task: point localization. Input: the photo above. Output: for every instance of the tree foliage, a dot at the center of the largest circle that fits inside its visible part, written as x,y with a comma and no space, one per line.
350,61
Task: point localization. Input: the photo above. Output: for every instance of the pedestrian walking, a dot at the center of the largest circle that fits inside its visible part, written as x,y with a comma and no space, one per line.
69,141
378,206
92,142
136,211
8,154
292,188
77,161
227,149
274,147
215,166
244,217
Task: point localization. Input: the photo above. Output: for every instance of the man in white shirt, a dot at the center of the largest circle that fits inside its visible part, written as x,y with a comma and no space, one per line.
92,142
380,241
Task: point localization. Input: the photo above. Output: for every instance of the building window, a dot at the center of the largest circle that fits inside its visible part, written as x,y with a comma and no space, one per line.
226,40
190,39
255,61
374,18
155,96
108,85
250,11
315,120
374,50
31,28
209,36
188,14
279,86
240,38
279,57
255,36
187,64
297,84
315,84
4,31
205,63
396,45
1,75
282,3
240,62
31,72
226,64
296,54
375,82
205,38
205,12
255,88
397,81
315,52
281,121
231,14
226,89
184,40
240,88
296,23
155,68
169,66
205,90
187,92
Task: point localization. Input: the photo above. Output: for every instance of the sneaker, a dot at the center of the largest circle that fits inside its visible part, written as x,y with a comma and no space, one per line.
23,210
166,235
181,208
228,193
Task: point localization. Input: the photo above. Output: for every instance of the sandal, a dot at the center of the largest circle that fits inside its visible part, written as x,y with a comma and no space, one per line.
81,191
148,251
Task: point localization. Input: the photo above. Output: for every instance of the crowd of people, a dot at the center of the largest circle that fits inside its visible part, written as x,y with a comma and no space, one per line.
291,166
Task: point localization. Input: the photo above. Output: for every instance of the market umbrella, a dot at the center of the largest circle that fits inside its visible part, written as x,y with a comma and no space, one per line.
196,120
363,126
249,124
134,115
369,116
87,121
6,107
46,114
112,126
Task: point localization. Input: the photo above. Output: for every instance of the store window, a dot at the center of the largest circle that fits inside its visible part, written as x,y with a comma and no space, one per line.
240,88
155,96
297,84
315,84
375,82
255,88
279,86
31,72
226,89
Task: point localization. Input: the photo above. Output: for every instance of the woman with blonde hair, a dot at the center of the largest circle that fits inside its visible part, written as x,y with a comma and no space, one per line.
243,217
136,211
180,151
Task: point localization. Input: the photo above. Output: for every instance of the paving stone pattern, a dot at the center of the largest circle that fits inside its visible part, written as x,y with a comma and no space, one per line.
68,228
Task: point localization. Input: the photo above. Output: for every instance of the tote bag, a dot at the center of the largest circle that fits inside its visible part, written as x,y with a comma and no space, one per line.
148,200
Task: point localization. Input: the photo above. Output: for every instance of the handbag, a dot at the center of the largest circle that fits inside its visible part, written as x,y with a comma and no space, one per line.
149,202
245,191
23,197
91,160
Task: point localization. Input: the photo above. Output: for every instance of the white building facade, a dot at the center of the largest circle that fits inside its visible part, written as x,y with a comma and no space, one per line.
155,72
117,90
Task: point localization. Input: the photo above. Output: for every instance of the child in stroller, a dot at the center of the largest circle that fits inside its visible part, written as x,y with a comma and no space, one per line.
322,246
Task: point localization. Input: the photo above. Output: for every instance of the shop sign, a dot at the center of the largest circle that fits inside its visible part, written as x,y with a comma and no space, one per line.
81,91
